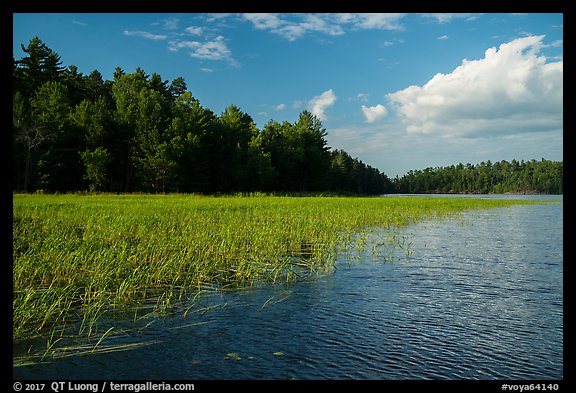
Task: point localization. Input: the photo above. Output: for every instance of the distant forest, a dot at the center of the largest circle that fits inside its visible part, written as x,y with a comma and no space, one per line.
139,133
530,177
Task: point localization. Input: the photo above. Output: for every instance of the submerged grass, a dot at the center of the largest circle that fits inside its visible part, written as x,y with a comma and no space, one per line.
77,257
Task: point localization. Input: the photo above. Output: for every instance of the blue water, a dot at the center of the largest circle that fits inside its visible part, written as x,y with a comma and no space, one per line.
479,296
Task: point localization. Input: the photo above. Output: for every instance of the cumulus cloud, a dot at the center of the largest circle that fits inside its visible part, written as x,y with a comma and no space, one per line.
318,104
280,107
511,90
374,113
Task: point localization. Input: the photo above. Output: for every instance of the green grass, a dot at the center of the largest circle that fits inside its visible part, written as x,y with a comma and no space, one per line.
79,257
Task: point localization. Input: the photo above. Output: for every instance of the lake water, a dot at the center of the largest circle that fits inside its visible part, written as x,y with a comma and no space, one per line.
479,296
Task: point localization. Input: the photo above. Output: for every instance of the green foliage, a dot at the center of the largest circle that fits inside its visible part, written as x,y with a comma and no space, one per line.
531,177
351,175
95,162
93,118
40,65
50,107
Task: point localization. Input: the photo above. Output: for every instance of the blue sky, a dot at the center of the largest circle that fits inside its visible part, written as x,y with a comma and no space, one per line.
398,91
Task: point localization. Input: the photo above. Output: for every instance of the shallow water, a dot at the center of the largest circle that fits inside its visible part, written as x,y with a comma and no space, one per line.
479,296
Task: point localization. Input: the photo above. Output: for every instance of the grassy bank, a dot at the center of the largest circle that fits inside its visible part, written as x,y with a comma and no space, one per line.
76,257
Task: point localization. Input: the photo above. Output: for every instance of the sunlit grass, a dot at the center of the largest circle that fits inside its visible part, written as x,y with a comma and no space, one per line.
79,257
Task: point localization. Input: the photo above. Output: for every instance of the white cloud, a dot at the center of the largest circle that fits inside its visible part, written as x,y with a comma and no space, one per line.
318,104
557,43
448,17
210,48
215,49
287,27
510,90
297,104
216,17
377,21
295,26
264,21
362,97
443,37
168,24
193,30
171,23
317,23
145,34
290,31
374,113
387,147
280,107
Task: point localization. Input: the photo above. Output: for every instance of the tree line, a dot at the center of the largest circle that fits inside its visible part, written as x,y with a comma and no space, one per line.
529,177
140,133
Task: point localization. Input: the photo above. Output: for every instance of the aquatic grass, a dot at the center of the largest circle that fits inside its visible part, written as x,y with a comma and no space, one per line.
78,257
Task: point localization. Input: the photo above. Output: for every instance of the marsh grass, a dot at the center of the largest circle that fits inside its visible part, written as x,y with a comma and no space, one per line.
79,257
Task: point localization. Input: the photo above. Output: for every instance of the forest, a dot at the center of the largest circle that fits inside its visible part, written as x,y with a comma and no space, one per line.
140,133
530,177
